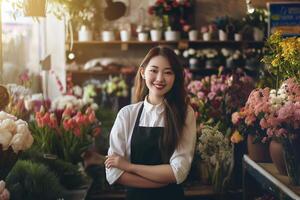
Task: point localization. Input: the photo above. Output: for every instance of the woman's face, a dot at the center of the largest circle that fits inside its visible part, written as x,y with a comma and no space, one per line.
159,77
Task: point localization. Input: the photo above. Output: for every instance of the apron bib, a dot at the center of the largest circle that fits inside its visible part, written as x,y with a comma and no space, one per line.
145,151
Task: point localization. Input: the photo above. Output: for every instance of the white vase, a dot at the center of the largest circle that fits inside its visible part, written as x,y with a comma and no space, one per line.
125,35
238,37
172,35
223,36
155,35
258,34
193,62
85,34
193,35
108,36
206,36
142,37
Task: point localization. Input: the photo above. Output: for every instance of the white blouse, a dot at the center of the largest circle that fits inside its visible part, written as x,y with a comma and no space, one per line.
152,116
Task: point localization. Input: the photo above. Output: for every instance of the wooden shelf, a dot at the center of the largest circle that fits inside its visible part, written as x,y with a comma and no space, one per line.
99,72
197,42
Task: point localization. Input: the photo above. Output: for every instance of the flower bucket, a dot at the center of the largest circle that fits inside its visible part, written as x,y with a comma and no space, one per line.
8,159
277,155
125,35
85,34
35,8
172,35
193,35
223,36
143,37
257,151
292,158
108,36
206,36
238,37
155,35
258,34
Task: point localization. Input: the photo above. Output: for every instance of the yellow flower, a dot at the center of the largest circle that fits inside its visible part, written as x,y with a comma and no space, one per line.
236,137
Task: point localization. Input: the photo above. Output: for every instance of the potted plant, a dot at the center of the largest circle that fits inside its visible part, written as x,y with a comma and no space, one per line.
258,20
238,27
222,24
143,33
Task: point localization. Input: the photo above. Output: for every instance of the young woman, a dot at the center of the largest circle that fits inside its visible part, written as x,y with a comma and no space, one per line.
152,141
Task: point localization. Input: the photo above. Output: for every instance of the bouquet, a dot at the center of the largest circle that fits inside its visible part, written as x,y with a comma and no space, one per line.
216,150
14,137
249,118
174,13
216,97
66,133
282,57
115,86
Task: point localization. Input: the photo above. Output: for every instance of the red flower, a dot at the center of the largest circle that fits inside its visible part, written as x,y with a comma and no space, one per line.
175,4
159,2
150,10
167,8
96,131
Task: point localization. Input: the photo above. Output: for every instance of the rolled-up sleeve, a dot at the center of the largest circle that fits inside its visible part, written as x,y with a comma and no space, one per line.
182,157
117,145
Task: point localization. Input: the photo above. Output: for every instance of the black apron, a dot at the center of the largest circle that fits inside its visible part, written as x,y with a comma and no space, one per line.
145,151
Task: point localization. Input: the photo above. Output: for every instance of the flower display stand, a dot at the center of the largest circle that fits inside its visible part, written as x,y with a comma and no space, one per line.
264,177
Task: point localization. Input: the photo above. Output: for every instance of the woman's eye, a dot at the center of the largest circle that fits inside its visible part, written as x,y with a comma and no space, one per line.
153,70
169,72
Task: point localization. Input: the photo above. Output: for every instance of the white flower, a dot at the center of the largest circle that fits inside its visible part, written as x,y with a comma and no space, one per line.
186,54
21,141
177,52
23,129
5,138
4,115
192,52
94,106
20,122
9,125
77,90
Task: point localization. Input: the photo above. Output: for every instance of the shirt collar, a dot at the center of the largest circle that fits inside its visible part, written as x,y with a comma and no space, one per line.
159,108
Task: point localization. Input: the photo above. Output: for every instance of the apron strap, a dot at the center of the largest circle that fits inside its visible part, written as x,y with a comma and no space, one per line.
137,121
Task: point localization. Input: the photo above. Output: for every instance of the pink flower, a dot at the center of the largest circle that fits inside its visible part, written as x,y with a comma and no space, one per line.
263,123
286,111
235,118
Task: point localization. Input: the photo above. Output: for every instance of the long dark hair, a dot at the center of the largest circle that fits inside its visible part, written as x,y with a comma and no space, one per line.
175,100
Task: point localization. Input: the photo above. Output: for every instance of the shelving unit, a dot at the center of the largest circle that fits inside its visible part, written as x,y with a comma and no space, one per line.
88,50
181,44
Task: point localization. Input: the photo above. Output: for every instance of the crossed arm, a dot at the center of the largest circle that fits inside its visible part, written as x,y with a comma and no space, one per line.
148,176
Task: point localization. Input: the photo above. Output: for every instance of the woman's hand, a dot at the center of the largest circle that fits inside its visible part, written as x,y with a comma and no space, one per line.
117,162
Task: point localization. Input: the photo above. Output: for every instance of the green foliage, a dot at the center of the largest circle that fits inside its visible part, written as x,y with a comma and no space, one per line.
68,174
32,181
258,18
282,58
107,118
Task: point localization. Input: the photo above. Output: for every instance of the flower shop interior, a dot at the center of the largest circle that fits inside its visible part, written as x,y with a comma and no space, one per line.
68,66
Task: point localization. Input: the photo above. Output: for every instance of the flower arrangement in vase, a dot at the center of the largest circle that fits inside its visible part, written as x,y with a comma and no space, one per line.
173,13
216,151
65,133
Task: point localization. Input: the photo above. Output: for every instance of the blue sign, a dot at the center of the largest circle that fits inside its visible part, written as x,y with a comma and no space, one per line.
285,17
